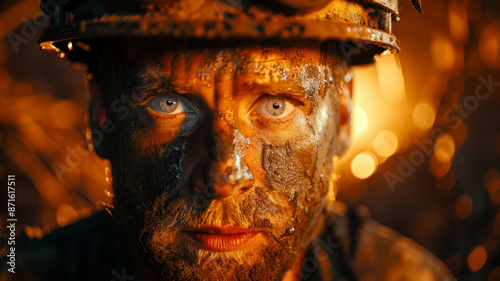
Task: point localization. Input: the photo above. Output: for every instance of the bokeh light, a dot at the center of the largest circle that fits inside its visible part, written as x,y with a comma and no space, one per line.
442,52
423,116
489,46
458,18
477,258
492,182
463,206
364,165
66,214
444,148
360,121
385,143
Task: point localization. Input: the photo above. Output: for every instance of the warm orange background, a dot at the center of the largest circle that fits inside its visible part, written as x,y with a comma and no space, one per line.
449,201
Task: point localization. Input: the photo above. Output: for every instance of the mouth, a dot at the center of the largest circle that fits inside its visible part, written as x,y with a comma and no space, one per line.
221,239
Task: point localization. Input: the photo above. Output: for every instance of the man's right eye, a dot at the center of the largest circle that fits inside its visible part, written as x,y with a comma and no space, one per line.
169,105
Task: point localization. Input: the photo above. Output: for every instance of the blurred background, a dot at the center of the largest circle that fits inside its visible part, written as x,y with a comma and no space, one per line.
425,158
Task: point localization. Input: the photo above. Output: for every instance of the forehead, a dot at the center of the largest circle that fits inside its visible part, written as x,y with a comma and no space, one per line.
241,55
267,62
232,70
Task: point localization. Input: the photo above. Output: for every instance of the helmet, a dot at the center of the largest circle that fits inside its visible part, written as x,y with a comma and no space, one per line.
365,26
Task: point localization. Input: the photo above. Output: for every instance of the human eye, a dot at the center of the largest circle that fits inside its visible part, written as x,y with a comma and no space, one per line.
170,104
276,108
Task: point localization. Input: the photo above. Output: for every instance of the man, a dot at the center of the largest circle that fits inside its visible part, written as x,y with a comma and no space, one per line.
221,129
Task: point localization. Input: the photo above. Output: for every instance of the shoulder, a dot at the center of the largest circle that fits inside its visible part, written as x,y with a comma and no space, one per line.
71,252
381,253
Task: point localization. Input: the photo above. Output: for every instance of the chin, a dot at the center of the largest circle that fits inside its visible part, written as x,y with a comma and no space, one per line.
173,255
174,258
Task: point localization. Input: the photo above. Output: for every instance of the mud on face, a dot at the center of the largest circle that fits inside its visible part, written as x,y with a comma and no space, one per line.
240,136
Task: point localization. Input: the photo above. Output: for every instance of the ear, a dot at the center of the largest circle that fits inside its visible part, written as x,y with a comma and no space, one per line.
343,138
98,120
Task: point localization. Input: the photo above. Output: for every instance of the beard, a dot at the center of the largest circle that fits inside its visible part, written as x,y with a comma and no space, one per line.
266,258
286,213
154,215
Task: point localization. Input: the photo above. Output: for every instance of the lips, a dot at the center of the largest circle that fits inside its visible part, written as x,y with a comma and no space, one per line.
220,239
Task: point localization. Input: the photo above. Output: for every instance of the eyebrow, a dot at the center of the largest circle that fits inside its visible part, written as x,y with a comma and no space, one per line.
151,79
270,88
154,82
157,82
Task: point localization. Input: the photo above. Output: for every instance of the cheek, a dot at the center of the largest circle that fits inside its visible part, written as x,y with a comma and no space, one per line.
155,154
291,164
325,120
283,161
281,149
153,171
161,132
149,130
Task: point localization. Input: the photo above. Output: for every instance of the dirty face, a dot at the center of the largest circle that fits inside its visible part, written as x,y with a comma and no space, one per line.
222,156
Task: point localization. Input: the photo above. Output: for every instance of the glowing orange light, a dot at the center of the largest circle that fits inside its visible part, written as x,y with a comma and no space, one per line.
66,214
29,232
442,53
109,177
364,165
492,182
489,46
385,143
458,19
444,149
463,206
438,169
423,116
360,121
38,232
477,258
71,111
390,77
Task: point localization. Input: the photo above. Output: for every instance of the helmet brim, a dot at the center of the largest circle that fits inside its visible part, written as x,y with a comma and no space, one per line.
363,39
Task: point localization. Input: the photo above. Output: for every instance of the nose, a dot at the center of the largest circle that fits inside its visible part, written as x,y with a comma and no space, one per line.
226,180
222,180
226,172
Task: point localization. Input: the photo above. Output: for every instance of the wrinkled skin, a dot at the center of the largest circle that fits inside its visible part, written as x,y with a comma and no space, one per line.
232,136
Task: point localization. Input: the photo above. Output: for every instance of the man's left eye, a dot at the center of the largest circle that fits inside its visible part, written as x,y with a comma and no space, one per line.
276,108
169,105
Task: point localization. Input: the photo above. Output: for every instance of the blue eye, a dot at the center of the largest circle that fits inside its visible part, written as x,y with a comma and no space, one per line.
169,105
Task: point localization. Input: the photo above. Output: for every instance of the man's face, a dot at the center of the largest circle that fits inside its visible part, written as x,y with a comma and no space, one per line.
222,161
